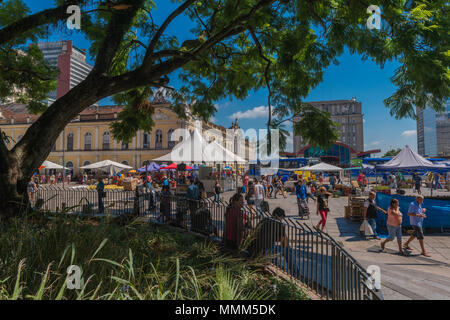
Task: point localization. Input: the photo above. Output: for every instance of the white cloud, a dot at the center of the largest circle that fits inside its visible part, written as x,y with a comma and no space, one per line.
375,143
409,133
256,112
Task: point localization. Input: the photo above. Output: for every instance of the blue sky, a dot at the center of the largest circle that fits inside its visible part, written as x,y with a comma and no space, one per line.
351,78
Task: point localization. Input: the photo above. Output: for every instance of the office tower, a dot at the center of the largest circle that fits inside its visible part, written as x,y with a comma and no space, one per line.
348,113
433,132
71,62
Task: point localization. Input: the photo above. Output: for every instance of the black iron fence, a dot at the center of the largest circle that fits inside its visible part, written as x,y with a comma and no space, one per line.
303,252
82,200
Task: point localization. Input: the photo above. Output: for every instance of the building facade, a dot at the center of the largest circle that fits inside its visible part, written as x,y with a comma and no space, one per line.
87,138
348,113
433,132
71,62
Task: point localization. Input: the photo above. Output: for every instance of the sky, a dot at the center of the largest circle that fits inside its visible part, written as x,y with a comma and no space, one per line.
352,77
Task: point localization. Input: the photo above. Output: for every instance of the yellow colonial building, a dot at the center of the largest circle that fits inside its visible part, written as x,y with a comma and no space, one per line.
87,138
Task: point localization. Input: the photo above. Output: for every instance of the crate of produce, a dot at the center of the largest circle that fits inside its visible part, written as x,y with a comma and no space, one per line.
129,185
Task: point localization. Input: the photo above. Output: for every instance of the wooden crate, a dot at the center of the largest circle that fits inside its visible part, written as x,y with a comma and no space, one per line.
357,213
347,212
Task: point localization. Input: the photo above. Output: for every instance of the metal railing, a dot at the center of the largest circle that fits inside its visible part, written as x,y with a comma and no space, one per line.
303,252
81,200
307,254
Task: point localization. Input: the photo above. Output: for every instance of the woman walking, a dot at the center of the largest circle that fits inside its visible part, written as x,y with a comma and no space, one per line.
251,196
394,225
322,206
233,232
217,191
31,189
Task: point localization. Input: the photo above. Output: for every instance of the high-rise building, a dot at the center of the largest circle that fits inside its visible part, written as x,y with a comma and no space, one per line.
71,62
433,132
348,113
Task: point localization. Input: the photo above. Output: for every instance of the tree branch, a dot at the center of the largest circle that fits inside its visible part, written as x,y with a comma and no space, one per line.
164,26
19,27
117,27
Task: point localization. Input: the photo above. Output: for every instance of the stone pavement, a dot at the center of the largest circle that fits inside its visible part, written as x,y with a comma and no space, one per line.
402,278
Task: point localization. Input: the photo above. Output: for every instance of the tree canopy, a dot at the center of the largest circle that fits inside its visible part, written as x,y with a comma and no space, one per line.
236,46
392,153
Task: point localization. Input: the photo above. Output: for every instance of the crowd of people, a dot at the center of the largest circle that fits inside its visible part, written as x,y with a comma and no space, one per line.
435,179
416,215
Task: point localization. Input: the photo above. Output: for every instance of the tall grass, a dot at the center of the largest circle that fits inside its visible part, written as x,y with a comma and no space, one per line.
137,261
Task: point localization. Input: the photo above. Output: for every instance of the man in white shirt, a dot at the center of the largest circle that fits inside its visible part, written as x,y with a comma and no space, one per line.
259,194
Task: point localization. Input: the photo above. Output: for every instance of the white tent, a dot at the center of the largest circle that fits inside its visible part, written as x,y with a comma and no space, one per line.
214,152
408,159
108,166
446,162
51,165
196,150
322,167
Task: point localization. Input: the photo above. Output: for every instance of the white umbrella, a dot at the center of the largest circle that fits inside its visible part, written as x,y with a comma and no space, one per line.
51,165
107,165
322,167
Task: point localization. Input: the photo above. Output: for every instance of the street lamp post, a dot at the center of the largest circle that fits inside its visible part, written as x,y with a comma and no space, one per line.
64,154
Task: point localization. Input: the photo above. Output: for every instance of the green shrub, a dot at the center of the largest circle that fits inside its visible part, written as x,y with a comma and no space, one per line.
137,261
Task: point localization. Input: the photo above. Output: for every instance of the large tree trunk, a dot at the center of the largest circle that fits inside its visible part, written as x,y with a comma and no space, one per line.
18,165
13,190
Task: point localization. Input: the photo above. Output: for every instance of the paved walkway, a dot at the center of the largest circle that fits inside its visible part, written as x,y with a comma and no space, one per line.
402,278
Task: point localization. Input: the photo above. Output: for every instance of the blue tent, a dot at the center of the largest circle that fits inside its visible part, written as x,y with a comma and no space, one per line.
151,167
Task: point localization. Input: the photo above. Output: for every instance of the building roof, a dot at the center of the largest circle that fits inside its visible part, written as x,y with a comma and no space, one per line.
368,152
331,101
19,112
302,150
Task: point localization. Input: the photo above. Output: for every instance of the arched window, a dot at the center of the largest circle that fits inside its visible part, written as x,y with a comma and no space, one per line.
87,141
69,165
158,139
105,140
125,162
146,140
69,142
170,143
124,146
86,163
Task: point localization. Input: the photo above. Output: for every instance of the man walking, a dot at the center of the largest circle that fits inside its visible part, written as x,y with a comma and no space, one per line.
193,194
416,215
259,194
332,181
437,181
370,213
300,191
418,182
